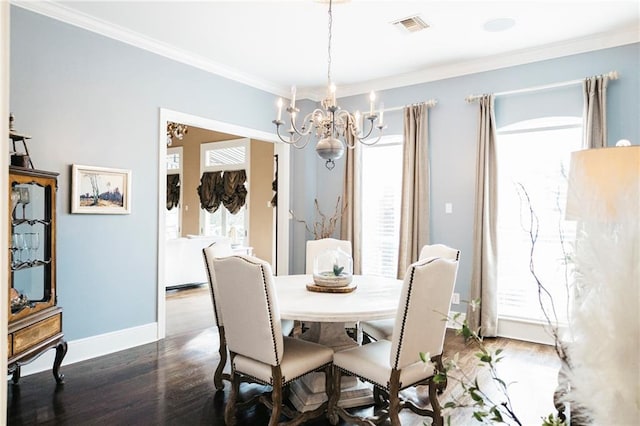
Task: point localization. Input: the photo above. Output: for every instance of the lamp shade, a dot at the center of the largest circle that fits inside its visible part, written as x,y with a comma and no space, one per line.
604,184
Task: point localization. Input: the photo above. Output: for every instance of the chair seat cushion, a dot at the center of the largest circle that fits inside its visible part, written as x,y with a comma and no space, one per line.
299,358
371,362
379,329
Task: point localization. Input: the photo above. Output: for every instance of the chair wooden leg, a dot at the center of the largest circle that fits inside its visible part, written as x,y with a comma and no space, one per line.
394,398
435,404
380,397
218,376
440,368
230,409
276,396
334,395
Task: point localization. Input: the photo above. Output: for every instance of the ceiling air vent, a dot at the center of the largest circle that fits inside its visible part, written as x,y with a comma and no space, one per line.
412,24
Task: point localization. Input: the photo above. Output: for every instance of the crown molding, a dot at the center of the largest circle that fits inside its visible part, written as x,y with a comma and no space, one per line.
70,16
539,53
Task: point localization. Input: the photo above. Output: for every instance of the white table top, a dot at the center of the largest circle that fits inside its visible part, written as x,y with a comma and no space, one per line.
375,298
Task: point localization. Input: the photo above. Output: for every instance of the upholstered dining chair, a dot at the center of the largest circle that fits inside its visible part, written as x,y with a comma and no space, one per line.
392,366
223,249
383,329
259,353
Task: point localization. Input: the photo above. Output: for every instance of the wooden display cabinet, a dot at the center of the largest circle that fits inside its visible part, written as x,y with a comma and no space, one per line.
35,320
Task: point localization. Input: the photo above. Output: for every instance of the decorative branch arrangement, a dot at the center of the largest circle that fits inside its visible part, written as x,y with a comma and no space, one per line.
488,409
325,226
545,300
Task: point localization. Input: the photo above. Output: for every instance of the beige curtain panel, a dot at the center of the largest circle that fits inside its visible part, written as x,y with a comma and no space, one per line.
414,210
351,221
484,284
595,111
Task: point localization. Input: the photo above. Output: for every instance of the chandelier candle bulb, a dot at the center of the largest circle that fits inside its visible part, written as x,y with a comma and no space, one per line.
372,100
293,97
279,103
381,122
332,95
357,121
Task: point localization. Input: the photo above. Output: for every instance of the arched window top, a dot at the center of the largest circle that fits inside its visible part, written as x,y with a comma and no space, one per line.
555,122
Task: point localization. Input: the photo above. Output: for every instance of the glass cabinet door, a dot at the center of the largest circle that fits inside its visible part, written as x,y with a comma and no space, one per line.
31,246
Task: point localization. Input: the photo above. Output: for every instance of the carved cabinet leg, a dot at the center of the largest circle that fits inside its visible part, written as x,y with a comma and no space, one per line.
61,351
15,378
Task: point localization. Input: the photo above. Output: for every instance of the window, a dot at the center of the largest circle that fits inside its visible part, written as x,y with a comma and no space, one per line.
534,154
173,217
225,156
381,193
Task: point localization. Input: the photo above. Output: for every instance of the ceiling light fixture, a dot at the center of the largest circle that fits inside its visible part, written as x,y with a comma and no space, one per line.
334,127
175,130
499,25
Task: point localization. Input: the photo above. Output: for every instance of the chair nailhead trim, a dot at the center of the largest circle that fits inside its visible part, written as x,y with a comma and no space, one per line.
213,298
284,381
385,387
266,294
366,379
273,332
404,318
406,309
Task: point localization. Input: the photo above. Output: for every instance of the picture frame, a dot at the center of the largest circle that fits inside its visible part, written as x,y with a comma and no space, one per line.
100,190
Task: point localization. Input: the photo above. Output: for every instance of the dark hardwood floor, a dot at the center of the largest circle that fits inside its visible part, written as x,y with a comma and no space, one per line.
170,382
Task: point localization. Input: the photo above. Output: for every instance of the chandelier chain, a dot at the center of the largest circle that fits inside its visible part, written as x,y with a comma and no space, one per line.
329,46
336,129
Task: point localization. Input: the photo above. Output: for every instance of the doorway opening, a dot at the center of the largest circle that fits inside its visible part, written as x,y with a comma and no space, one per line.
267,155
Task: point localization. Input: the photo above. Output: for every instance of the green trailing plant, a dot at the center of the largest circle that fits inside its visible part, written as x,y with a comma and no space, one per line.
487,409
490,403
499,409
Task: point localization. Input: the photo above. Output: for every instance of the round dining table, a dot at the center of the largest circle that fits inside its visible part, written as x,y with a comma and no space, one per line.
325,315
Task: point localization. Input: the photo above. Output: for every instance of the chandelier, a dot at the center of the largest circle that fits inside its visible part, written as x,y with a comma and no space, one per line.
334,127
175,130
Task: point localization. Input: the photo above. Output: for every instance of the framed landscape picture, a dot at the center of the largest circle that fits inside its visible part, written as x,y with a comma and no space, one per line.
100,190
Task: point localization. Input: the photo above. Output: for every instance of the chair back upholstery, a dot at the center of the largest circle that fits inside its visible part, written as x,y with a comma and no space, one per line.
217,249
439,250
315,247
249,307
424,303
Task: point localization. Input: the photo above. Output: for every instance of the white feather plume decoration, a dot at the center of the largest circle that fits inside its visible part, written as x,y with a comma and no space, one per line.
604,351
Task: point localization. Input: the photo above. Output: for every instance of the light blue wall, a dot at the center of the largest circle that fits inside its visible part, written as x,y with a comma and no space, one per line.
90,100
453,126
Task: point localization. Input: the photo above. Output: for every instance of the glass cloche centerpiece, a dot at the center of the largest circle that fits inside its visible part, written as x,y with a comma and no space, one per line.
333,268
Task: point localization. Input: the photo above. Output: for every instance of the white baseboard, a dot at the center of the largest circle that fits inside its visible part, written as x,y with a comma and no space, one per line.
524,330
95,346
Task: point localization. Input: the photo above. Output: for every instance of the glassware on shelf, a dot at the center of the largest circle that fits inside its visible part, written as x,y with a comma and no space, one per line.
33,244
17,241
25,198
15,199
24,247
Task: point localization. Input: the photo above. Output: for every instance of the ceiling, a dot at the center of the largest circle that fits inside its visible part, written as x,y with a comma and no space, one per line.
272,45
